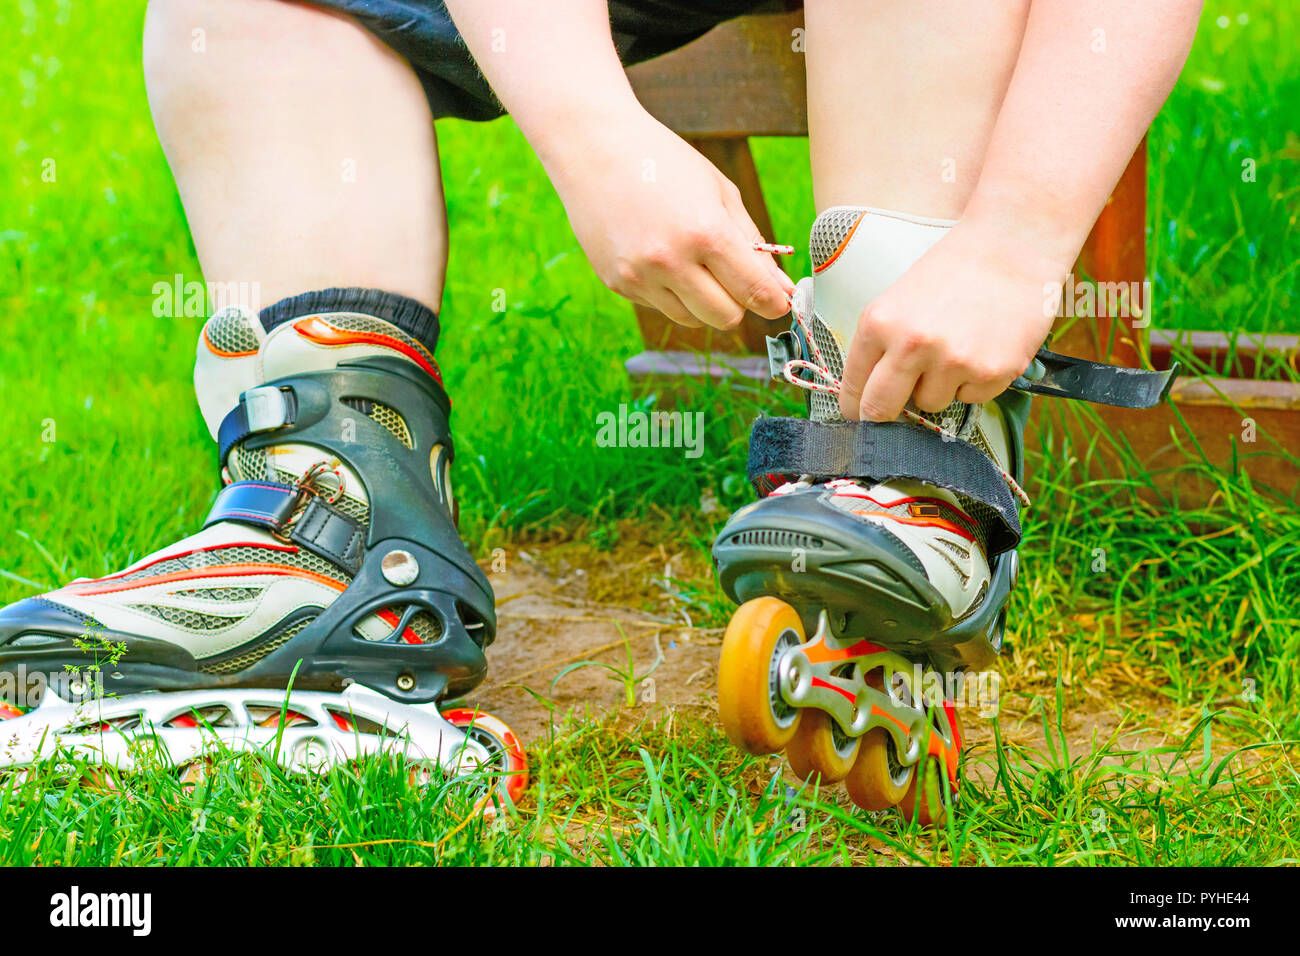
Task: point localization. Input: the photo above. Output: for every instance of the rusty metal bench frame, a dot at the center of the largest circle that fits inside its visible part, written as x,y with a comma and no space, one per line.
746,78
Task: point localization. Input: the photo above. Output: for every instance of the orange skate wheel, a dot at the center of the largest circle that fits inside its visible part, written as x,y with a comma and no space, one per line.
924,799
877,781
509,765
925,807
815,750
749,702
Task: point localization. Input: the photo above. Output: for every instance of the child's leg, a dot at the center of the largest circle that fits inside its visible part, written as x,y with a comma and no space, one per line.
303,148
305,156
902,98
900,535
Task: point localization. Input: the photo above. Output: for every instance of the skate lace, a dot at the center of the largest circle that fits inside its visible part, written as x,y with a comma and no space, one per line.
311,485
824,380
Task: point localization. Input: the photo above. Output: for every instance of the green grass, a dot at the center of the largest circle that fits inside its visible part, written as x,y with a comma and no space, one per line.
1196,598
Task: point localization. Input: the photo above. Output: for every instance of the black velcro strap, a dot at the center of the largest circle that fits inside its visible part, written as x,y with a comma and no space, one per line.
882,451
260,409
1064,376
262,504
329,533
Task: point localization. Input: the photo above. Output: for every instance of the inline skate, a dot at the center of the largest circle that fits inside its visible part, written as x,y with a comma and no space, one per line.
328,603
873,572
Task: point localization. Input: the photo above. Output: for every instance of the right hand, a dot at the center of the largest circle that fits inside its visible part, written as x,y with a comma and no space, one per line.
663,227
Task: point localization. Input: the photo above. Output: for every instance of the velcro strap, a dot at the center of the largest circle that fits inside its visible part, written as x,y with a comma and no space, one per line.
260,409
330,534
320,528
1064,376
262,504
882,451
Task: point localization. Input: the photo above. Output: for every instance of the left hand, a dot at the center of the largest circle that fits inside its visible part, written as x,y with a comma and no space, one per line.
962,322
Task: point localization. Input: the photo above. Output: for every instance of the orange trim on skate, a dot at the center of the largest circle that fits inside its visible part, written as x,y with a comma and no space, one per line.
219,571
316,329
222,352
841,247
821,652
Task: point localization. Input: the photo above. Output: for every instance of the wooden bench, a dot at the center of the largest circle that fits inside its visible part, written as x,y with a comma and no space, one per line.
745,79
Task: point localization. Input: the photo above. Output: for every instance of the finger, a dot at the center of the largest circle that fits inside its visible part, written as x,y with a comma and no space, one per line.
862,358
748,277
976,393
709,302
888,388
936,389
745,223
667,302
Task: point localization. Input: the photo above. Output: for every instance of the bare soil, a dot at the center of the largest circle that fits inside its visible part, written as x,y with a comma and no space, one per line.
563,603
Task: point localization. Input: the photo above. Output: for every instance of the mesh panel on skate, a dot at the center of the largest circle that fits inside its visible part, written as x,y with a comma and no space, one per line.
825,407
427,627
356,322
829,231
230,331
247,464
243,554
189,620
220,594
252,653
953,418
389,418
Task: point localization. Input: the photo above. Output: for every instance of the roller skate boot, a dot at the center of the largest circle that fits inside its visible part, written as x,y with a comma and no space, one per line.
873,572
328,603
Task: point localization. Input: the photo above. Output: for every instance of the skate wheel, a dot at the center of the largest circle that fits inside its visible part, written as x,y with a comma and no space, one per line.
878,781
9,713
923,801
749,701
509,767
819,750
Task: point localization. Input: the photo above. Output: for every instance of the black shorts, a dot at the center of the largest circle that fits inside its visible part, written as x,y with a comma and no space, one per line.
422,31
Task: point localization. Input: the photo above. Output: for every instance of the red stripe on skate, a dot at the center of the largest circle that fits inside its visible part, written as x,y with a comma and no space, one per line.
920,522
321,332
392,620
819,682
220,571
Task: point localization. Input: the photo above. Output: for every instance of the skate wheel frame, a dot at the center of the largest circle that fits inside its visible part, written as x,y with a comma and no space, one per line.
777,692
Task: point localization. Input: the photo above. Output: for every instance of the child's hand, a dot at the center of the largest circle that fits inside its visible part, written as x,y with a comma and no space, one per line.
663,227
961,323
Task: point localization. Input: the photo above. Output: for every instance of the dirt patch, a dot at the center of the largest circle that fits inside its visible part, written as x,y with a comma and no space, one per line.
591,633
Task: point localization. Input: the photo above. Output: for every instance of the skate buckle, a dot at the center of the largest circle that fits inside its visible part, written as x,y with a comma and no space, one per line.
265,408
